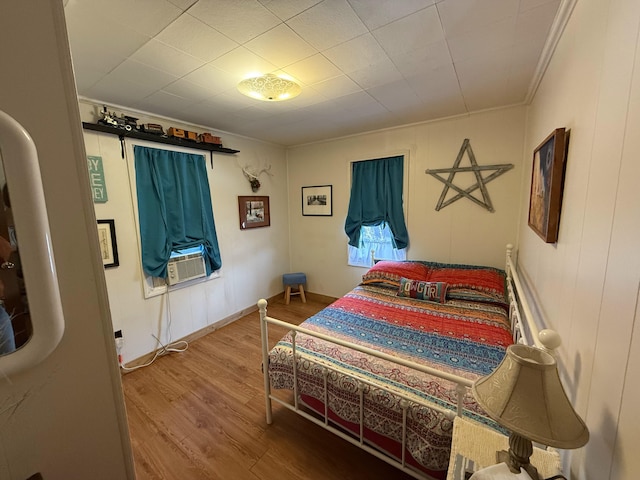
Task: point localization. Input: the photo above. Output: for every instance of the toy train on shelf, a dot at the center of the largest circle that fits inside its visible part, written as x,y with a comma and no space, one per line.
131,123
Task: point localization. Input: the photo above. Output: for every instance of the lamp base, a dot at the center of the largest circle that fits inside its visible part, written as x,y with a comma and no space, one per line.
520,449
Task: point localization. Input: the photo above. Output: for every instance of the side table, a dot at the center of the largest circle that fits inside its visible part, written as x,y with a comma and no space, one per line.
478,444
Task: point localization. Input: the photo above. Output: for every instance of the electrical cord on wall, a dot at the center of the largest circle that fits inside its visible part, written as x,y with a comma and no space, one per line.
171,347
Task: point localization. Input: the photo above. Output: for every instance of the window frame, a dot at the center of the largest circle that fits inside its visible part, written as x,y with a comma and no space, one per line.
406,154
149,290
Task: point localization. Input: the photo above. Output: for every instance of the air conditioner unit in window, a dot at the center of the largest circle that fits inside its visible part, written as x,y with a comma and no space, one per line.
186,264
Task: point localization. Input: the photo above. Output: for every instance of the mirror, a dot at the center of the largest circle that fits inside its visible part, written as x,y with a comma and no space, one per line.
15,320
28,210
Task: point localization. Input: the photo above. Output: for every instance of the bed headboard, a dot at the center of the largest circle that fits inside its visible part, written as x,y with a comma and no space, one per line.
523,325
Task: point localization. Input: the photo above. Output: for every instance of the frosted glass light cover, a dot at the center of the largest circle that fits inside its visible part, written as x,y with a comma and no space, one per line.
269,88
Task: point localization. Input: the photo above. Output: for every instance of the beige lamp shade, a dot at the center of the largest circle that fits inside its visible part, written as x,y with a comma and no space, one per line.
525,395
269,88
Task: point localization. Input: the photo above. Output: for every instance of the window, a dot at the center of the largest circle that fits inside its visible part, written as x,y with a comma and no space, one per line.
376,242
375,220
174,209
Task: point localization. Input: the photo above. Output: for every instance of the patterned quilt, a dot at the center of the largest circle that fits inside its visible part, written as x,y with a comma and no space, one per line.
462,336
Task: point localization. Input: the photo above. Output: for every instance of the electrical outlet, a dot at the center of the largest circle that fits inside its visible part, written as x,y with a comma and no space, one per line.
119,345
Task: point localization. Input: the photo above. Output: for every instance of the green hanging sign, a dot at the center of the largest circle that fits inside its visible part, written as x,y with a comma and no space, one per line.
96,179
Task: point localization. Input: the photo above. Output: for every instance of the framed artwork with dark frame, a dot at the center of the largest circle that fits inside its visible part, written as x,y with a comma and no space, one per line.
108,243
254,212
317,201
547,183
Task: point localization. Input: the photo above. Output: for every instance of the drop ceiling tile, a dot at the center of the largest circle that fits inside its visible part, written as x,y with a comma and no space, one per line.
118,91
183,4
482,82
205,112
462,16
410,33
148,17
252,113
91,49
164,103
327,24
213,79
234,100
336,87
377,13
86,77
163,57
395,96
329,109
281,46
285,9
529,4
439,84
140,73
356,100
313,69
530,22
483,43
243,63
240,21
190,35
360,52
427,58
189,90
374,75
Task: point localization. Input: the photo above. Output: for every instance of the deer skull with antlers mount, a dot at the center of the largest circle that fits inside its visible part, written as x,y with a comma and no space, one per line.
252,175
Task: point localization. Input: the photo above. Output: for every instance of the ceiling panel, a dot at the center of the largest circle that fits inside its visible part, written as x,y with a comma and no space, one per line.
239,20
327,24
196,38
362,64
280,46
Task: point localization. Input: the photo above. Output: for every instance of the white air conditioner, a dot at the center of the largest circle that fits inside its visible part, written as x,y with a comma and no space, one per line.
185,266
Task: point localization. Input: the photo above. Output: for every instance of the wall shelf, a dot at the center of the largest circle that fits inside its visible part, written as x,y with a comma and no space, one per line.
122,133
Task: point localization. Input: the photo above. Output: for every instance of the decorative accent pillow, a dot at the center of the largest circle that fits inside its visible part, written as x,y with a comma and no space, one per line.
431,291
467,282
390,272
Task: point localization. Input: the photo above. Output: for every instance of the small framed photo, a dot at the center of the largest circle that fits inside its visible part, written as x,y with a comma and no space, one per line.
547,183
317,201
108,244
254,212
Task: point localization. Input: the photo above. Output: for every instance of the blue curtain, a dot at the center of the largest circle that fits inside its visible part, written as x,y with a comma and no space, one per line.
376,198
174,207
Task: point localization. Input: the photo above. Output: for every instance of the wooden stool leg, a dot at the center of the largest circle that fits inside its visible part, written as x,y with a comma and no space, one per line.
287,295
301,288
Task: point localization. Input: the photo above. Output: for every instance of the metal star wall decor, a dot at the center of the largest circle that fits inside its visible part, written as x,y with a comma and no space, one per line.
477,171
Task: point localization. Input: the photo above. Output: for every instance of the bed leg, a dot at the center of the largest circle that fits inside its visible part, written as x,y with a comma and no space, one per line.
262,307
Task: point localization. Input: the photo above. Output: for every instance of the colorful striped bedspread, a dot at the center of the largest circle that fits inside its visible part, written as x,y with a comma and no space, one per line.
463,337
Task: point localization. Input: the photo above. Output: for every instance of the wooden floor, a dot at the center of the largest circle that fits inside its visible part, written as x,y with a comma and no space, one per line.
200,415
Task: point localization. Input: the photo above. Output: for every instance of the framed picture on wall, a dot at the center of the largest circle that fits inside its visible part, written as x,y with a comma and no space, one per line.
254,212
108,244
317,201
547,183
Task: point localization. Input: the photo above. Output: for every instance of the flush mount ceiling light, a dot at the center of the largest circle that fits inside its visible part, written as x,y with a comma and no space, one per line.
269,88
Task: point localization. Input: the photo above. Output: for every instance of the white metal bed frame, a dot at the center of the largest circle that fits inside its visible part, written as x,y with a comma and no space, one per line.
523,328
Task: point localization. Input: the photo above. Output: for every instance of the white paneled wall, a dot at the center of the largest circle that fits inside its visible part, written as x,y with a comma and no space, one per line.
587,284
462,232
252,260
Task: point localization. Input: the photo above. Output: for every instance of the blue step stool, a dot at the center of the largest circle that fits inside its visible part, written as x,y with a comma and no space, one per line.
297,280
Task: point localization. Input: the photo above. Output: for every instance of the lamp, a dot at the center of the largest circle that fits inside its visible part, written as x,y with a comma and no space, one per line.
525,395
269,87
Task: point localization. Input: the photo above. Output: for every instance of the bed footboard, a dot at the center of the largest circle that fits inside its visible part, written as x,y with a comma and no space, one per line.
462,386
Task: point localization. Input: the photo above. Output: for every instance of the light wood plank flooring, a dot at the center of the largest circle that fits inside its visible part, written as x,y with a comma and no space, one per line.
200,415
